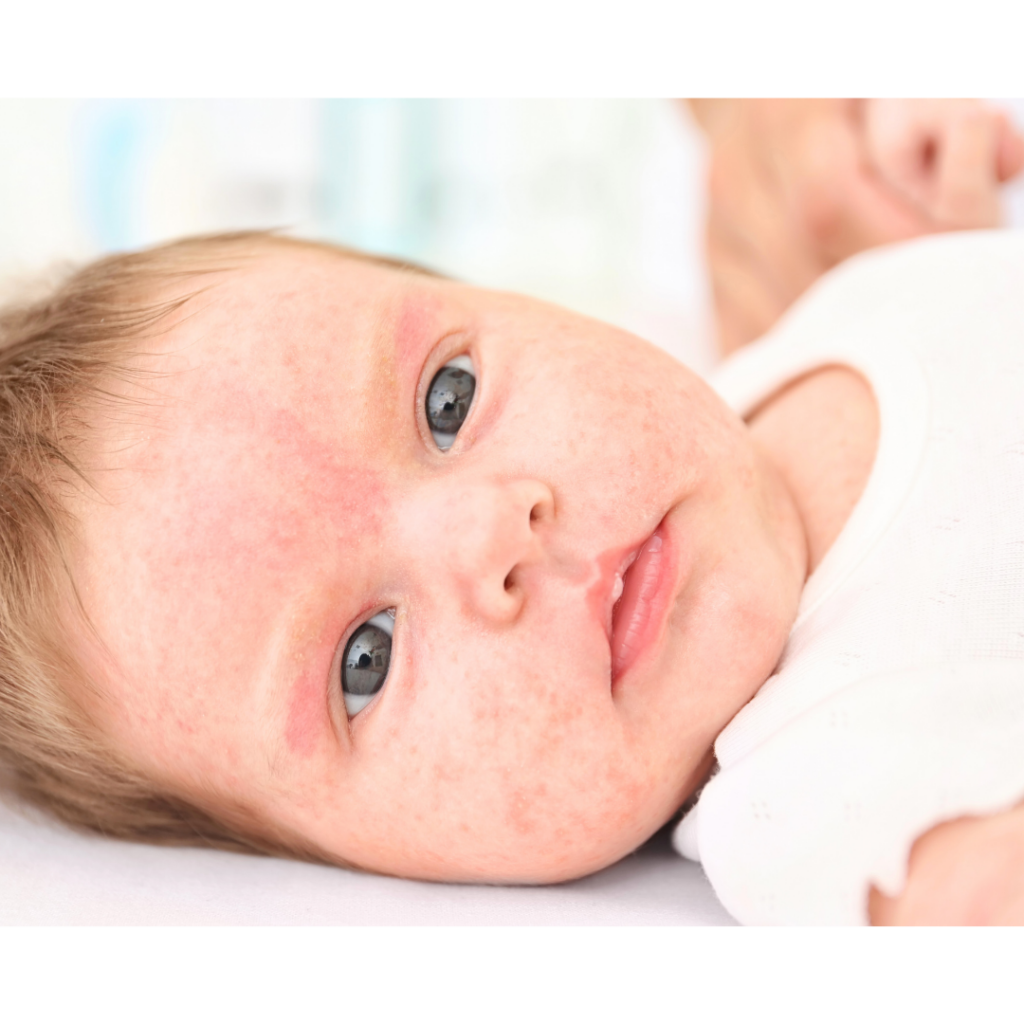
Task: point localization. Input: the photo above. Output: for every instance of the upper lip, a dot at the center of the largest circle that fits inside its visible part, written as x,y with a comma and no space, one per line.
618,578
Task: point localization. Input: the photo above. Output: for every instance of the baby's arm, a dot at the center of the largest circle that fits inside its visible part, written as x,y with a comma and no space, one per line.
967,871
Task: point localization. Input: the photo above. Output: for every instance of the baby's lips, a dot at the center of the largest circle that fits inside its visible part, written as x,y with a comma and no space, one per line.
638,615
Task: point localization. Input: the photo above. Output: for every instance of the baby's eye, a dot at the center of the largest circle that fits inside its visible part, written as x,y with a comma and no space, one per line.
449,399
364,665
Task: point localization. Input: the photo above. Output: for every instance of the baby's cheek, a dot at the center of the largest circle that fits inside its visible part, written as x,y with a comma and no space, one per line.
517,775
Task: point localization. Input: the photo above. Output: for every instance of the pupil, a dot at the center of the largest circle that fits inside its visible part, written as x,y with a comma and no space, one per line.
365,663
449,399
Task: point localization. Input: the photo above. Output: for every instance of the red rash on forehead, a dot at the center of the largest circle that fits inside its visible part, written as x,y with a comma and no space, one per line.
416,328
266,483
253,533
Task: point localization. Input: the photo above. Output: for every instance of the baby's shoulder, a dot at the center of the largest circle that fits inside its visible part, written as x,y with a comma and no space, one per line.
960,288
799,829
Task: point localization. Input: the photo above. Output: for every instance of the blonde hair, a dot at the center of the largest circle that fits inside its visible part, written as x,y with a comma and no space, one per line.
58,356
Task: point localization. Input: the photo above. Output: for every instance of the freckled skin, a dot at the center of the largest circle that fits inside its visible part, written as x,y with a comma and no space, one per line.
284,489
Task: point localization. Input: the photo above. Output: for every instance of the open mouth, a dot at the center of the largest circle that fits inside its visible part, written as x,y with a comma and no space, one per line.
641,593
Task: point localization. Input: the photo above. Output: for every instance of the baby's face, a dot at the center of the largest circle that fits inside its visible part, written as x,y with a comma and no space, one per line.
279,486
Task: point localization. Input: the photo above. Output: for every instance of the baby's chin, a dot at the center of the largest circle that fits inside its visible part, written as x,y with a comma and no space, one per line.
551,869
559,853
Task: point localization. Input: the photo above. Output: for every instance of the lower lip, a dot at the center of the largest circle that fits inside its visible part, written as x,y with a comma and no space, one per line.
638,617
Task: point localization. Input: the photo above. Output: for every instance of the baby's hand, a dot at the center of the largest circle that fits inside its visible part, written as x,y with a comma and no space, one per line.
946,157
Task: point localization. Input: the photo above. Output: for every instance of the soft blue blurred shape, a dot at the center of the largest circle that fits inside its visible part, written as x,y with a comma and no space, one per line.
379,161
111,145
592,204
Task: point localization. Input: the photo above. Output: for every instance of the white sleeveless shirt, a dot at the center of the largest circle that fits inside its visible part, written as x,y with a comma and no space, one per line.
899,699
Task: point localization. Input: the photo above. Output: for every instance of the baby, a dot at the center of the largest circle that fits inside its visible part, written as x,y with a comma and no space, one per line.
547,552
313,553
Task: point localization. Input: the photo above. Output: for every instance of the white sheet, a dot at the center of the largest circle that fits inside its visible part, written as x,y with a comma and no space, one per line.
50,875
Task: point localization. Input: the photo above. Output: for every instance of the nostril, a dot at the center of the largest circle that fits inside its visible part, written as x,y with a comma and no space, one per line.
509,583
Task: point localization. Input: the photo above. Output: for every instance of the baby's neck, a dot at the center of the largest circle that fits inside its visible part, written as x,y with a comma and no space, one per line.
821,433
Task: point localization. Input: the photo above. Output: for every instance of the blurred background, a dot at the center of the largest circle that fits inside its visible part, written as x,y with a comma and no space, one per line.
593,204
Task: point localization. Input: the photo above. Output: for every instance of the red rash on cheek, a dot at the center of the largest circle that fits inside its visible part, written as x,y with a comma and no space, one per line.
264,495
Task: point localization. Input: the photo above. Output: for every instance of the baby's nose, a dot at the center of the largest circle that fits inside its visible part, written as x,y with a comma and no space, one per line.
479,538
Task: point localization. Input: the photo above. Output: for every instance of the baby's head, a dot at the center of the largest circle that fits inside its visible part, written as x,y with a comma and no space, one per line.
257,454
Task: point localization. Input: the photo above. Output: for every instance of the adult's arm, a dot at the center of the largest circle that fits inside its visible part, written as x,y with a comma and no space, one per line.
796,186
969,871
